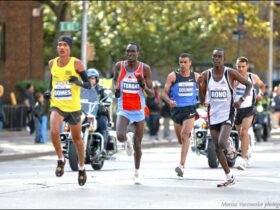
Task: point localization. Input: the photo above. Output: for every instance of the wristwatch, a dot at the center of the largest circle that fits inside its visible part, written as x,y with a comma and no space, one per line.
242,98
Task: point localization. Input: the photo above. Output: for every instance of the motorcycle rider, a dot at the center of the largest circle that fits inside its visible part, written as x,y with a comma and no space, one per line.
245,113
96,92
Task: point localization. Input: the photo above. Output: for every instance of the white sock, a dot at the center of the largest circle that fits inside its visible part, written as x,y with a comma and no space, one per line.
137,172
61,159
229,175
81,168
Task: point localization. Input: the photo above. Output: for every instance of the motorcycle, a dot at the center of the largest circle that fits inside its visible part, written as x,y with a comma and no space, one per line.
261,124
95,153
202,142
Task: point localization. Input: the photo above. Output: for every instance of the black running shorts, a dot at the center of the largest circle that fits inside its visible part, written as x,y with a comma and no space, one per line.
180,114
73,118
243,113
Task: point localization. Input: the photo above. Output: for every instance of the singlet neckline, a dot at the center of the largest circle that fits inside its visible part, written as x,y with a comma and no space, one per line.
131,71
64,65
184,76
222,76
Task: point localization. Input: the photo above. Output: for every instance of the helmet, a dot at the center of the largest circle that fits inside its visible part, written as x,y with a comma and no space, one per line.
93,73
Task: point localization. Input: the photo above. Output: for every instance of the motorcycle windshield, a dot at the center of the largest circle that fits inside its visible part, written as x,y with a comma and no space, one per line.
89,101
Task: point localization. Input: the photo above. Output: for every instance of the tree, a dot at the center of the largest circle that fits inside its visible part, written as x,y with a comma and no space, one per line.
164,29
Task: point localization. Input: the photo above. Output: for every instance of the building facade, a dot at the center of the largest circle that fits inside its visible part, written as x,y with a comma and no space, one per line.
21,44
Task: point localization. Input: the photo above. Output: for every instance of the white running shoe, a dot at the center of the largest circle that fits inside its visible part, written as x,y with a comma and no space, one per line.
179,170
129,144
137,179
228,182
242,166
248,162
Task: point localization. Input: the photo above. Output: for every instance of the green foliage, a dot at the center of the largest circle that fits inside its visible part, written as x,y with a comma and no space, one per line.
165,29
39,85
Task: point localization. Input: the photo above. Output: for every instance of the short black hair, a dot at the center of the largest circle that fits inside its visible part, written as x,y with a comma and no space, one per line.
186,55
134,43
28,85
242,60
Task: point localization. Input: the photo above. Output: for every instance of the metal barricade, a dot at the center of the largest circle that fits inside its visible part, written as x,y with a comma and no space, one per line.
15,117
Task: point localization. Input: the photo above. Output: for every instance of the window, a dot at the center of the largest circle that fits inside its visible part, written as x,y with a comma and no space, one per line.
2,42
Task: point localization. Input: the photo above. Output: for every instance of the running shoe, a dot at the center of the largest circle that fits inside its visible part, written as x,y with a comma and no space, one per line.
82,177
228,182
137,179
129,144
180,171
60,168
242,166
231,150
248,162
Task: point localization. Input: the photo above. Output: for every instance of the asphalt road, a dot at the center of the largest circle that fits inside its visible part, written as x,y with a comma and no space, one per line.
31,183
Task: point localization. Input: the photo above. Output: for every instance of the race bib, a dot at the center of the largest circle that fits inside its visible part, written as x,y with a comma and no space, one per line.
185,88
62,90
130,85
218,94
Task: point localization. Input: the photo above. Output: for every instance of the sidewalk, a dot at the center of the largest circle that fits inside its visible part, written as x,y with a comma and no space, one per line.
17,145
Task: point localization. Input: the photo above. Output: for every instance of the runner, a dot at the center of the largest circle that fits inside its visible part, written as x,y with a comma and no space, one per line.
245,114
180,93
131,79
64,92
218,83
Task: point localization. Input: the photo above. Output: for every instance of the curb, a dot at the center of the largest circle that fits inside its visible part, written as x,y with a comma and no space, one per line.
13,157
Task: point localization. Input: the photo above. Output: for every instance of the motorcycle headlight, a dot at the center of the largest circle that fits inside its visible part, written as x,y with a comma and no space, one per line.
62,137
199,134
204,125
259,108
66,128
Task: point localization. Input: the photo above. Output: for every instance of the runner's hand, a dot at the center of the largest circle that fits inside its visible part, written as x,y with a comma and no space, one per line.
47,95
75,80
140,81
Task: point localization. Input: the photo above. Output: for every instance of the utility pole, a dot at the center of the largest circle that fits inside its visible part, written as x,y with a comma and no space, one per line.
270,48
84,35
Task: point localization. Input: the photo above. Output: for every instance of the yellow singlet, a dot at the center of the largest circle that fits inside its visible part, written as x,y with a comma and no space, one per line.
65,96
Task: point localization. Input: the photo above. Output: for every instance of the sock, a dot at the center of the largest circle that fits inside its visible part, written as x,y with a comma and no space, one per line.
229,175
62,159
81,168
137,172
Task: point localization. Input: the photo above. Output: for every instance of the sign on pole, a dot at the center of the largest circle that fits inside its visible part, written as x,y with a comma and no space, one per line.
69,26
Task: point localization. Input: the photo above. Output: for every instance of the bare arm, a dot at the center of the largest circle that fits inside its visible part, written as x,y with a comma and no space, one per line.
259,83
148,79
235,75
165,94
202,86
116,71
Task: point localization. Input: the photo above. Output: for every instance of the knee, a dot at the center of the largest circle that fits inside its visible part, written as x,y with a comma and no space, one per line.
121,136
185,136
221,145
243,133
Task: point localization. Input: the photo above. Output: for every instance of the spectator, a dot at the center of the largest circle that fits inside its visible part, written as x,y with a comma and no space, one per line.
29,102
165,113
38,114
154,104
1,107
276,114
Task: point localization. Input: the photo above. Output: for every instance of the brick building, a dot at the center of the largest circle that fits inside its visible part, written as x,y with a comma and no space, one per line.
21,44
